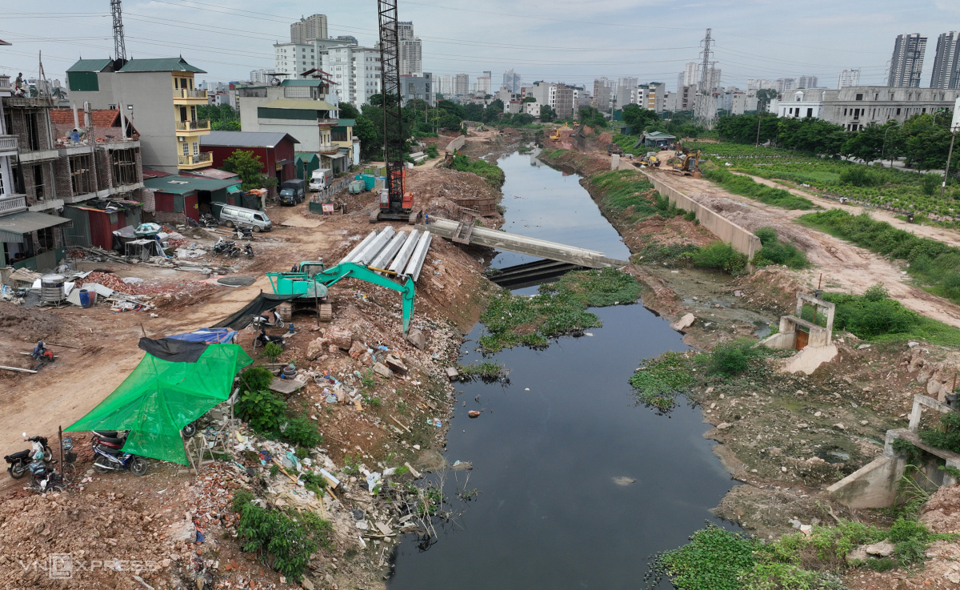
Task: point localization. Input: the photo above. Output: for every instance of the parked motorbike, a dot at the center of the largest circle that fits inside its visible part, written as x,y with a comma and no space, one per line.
20,461
248,250
226,248
269,319
45,478
243,232
110,457
207,220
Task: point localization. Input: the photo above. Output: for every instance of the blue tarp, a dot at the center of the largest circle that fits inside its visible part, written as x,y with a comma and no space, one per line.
207,335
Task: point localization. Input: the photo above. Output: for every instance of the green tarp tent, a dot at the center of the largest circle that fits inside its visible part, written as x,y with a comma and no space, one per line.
174,384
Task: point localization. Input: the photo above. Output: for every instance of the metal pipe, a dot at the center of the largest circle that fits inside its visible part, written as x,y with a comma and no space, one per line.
388,251
400,262
358,247
374,247
419,255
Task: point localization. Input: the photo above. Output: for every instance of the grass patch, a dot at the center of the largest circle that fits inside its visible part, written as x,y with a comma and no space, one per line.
874,316
486,372
491,173
670,255
745,186
773,251
717,559
623,191
560,308
660,380
934,264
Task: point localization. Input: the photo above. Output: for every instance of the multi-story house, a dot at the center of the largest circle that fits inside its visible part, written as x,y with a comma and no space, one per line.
158,96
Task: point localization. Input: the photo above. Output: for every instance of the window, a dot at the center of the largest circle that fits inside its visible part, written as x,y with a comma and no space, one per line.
859,97
186,149
196,148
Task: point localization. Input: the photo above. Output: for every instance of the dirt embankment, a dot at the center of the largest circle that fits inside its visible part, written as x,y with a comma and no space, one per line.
786,435
159,514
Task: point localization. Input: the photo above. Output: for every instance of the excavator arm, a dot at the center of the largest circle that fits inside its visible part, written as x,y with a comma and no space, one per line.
351,270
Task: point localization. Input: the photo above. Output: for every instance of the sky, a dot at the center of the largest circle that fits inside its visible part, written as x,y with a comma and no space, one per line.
570,41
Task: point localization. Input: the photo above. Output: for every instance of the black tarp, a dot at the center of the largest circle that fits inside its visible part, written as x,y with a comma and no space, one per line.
172,350
262,303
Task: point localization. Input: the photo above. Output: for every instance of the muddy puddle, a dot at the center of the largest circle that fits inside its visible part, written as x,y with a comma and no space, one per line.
575,485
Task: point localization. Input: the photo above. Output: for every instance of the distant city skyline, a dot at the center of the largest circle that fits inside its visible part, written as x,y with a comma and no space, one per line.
609,39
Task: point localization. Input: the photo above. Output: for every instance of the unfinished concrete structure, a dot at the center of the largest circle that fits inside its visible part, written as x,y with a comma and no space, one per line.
875,484
797,333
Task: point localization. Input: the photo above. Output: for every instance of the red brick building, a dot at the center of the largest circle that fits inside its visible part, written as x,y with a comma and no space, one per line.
276,150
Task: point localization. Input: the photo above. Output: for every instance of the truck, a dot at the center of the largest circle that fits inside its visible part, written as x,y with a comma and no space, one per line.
321,179
291,192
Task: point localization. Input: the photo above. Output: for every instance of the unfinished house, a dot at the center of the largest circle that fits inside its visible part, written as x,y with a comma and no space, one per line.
812,338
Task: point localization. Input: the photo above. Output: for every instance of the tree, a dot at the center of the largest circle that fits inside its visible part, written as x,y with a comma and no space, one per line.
871,143
249,168
348,111
473,112
592,117
764,97
547,113
639,119
493,112
529,99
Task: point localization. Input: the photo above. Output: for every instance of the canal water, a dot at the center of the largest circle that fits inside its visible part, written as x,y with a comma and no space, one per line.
577,485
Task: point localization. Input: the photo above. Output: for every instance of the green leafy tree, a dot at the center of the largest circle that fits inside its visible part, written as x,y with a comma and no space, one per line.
493,112
764,97
547,114
592,117
348,111
473,112
638,119
249,168
869,144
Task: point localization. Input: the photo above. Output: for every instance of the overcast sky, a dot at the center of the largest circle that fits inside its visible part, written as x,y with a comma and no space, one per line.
573,41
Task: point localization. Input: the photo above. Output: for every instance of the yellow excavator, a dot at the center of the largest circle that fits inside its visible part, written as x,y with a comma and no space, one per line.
685,164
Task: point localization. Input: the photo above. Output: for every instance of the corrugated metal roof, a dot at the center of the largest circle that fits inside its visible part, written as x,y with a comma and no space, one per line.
163,64
300,104
660,135
213,173
306,156
302,83
89,65
181,185
12,227
244,139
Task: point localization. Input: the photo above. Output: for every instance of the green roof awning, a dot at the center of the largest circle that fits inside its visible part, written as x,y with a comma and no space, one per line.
163,64
89,65
13,227
234,189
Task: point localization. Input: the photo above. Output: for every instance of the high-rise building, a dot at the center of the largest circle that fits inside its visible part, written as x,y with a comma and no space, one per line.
307,29
257,77
355,70
445,86
602,94
848,78
511,80
411,57
807,82
461,85
907,61
292,59
786,84
946,65
690,76
483,83
405,30
713,80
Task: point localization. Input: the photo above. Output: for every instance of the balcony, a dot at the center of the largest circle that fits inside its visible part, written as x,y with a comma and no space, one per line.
188,127
183,95
328,148
328,122
5,84
10,204
8,144
197,161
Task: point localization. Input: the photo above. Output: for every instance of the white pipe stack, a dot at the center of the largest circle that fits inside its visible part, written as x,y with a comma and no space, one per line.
419,255
350,255
400,262
373,248
388,251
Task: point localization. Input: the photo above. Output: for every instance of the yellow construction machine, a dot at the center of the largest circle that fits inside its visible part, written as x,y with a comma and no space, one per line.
686,163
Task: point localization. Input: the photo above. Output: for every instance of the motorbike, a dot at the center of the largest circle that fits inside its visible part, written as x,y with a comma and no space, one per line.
259,322
207,220
45,478
248,250
243,232
110,457
226,248
20,461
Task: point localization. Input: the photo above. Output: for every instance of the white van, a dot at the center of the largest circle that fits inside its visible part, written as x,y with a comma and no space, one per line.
320,179
231,216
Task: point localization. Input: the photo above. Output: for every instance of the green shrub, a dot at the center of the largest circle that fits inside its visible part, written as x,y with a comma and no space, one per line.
658,381
272,350
721,256
256,378
732,358
858,176
776,252
715,559
432,151
690,215
262,409
948,437
276,535
492,173
301,431
929,184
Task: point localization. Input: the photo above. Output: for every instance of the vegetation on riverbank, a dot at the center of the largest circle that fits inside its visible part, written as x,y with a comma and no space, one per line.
934,264
718,559
558,309
492,173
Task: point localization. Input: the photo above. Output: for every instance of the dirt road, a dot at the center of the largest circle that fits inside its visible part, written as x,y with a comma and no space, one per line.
844,266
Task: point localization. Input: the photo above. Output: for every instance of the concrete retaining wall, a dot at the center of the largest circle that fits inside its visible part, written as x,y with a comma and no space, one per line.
872,486
742,240
456,144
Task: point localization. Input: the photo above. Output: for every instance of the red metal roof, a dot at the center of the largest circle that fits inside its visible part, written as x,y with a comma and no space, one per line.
99,117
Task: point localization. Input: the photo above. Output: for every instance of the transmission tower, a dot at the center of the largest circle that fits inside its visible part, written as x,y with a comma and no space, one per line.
704,111
706,53
119,48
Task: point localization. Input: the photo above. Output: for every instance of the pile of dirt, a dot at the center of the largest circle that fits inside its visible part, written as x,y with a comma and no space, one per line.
26,323
766,510
769,289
